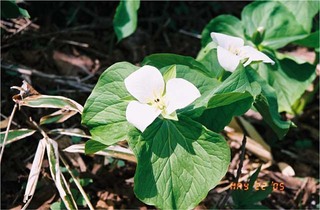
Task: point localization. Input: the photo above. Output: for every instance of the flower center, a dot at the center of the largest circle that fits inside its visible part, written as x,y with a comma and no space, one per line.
159,103
234,50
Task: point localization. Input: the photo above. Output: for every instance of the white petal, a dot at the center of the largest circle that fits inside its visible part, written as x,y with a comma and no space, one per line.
227,60
141,115
145,84
227,41
179,94
254,55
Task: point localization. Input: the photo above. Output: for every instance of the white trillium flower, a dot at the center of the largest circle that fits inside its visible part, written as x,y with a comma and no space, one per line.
154,97
231,51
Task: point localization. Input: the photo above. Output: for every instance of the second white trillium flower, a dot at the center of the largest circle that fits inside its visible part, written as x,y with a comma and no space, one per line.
154,97
231,51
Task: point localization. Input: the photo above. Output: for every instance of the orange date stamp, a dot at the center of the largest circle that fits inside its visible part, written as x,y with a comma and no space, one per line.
257,186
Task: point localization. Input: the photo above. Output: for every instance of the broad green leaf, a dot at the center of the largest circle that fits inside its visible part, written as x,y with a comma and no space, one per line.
226,24
126,18
178,163
235,95
15,135
245,79
312,40
104,110
303,11
204,84
239,81
161,60
92,147
279,24
289,80
10,9
267,105
222,107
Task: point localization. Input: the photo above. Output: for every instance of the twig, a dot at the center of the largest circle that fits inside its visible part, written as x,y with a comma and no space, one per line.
24,26
70,81
77,183
60,32
79,44
243,151
182,31
7,131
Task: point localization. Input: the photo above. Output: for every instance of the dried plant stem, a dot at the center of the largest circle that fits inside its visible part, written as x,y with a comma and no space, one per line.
7,131
77,183
243,151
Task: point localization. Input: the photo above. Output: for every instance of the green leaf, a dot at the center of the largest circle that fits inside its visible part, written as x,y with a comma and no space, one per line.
245,80
288,79
267,105
312,40
265,101
92,147
245,199
226,24
126,18
204,84
57,206
10,9
232,97
303,11
161,60
279,24
170,73
104,110
15,135
239,81
222,107
178,163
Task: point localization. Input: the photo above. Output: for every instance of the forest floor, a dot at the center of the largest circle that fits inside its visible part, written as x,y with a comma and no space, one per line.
63,49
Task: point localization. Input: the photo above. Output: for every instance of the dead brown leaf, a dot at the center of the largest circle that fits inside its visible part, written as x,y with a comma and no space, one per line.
71,65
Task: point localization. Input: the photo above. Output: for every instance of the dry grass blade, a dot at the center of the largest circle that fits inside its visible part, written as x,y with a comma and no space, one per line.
15,135
70,132
111,151
34,173
57,117
7,131
77,184
28,96
60,182
46,101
